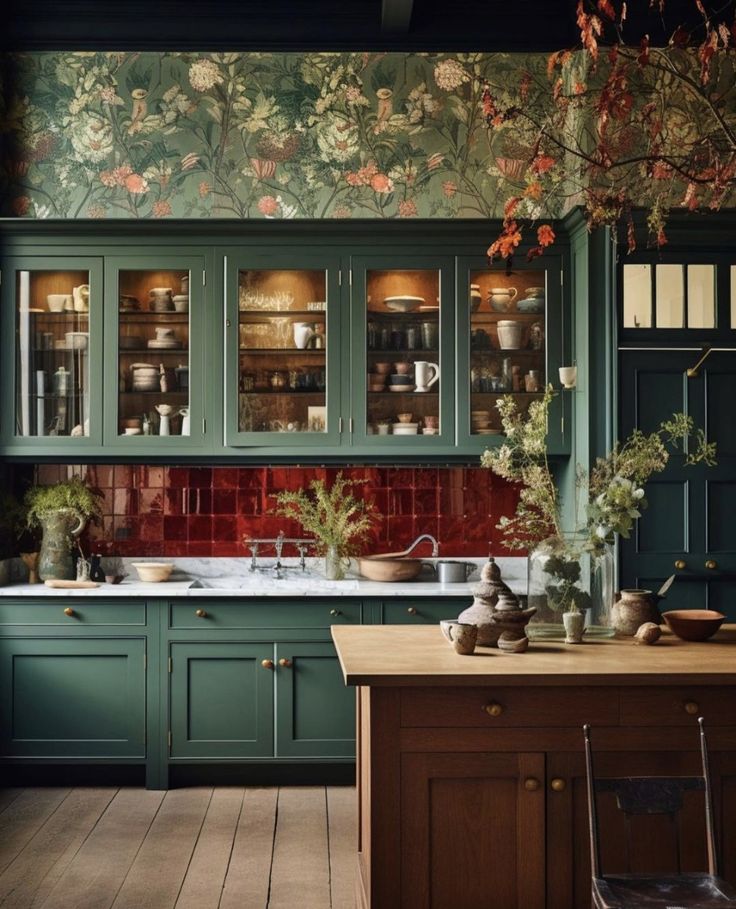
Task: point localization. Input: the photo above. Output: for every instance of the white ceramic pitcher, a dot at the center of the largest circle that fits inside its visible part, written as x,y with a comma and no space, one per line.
423,375
303,334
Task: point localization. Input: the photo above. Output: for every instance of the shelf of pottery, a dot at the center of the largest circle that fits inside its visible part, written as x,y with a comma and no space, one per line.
403,352
283,337
153,353
52,353
507,343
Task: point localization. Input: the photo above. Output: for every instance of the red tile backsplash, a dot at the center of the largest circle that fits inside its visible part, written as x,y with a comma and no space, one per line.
206,511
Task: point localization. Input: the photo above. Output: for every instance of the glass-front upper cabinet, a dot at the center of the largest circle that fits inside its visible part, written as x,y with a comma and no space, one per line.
154,353
402,352
283,351
52,309
510,326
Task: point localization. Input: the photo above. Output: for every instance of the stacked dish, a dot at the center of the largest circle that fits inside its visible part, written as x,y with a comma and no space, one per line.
400,383
403,303
181,302
405,429
146,377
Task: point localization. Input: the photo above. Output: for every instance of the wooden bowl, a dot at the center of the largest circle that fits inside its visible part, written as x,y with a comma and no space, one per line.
377,569
694,624
153,572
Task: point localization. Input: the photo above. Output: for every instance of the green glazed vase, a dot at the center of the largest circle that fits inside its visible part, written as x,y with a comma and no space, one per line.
60,529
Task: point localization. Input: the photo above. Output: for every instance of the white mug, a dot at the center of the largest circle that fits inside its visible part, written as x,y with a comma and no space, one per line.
423,374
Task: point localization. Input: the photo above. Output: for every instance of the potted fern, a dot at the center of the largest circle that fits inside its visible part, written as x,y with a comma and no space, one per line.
333,516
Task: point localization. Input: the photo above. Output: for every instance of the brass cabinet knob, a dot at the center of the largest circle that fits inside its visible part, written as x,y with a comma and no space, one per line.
531,784
69,611
493,709
692,707
267,664
412,610
558,784
286,663
201,614
335,612
711,564
680,564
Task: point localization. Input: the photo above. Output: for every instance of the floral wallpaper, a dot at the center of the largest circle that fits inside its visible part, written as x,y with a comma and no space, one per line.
262,135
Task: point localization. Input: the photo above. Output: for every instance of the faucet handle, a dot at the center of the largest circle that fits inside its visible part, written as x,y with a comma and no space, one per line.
279,544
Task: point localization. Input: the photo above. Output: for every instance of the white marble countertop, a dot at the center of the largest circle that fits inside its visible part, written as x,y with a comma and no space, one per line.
212,578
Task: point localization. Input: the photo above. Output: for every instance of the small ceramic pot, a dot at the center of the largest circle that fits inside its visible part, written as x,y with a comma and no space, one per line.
634,609
574,623
463,637
510,334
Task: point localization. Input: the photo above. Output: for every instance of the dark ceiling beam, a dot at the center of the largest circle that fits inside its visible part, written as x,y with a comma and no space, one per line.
396,16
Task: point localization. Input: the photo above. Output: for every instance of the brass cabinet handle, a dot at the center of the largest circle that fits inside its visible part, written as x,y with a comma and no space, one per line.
286,663
335,612
692,707
680,564
201,614
531,784
69,611
267,664
493,709
412,610
711,564
558,785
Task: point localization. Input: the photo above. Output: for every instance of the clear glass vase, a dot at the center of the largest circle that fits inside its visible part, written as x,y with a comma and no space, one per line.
334,564
560,571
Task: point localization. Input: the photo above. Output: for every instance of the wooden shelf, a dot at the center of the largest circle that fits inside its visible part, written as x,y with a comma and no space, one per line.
288,351
286,392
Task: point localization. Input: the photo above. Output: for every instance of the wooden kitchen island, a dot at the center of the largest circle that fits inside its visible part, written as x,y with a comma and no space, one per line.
471,777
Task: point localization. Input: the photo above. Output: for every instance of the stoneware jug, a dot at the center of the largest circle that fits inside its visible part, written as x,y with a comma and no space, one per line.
501,298
634,609
80,295
303,334
423,374
60,529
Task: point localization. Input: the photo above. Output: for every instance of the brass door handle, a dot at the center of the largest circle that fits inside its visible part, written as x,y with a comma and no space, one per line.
335,612
558,785
711,564
680,564
493,709
201,614
411,610
531,784
286,663
69,611
267,664
692,707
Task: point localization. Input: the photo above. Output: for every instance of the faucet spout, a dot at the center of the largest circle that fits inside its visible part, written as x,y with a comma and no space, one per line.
432,540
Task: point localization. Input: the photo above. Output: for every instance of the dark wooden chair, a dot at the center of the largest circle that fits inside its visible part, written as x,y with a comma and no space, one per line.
655,795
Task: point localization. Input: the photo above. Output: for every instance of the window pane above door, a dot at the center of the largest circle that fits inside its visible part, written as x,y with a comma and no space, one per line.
670,296
637,296
701,296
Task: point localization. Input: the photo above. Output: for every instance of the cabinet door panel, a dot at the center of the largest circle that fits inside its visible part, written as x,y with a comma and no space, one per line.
221,701
422,612
457,853
315,709
72,698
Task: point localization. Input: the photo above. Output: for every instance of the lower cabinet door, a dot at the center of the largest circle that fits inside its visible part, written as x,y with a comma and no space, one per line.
315,709
221,700
472,831
68,698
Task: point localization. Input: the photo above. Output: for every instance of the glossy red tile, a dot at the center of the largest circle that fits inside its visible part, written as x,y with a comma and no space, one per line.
224,501
225,477
150,501
199,528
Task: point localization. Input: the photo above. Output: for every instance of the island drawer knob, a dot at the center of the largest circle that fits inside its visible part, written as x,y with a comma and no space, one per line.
69,611
558,785
267,664
493,709
711,564
680,564
692,707
335,612
201,614
285,662
412,610
531,784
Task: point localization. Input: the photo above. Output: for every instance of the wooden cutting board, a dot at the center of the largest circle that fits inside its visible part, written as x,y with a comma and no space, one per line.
80,585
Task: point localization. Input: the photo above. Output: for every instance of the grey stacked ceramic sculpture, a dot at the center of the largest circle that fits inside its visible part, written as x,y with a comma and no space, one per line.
496,612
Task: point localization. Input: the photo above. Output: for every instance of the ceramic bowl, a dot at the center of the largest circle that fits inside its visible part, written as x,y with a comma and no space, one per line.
58,302
403,369
694,624
132,431
401,389
376,386
404,417
77,340
403,303
401,380
153,572
383,369
405,429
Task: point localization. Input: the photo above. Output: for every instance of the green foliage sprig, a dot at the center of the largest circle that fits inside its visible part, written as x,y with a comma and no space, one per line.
333,516
71,495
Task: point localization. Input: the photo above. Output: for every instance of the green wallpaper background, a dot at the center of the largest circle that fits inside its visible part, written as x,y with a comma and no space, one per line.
193,135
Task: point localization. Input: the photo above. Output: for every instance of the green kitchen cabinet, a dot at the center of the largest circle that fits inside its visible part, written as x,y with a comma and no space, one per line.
315,710
73,698
422,611
221,700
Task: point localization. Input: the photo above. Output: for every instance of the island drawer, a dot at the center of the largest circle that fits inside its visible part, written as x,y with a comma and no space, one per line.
680,705
421,611
84,611
496,708
203,613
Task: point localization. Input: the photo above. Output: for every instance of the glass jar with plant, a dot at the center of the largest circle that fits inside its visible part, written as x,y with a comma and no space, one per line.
577,564
333,516
62,512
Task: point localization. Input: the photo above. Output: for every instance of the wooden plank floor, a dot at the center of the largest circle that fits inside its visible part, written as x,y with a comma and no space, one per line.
198,848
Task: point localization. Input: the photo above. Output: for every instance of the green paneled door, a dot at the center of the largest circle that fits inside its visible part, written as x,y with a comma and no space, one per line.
72,698
221,700
315,711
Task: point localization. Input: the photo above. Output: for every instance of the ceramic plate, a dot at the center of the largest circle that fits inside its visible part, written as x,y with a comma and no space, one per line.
163,345
403,303
401,388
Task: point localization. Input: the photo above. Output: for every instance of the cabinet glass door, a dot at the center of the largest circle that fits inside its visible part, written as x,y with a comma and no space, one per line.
511,330
52,309
402,358
284,326
156,341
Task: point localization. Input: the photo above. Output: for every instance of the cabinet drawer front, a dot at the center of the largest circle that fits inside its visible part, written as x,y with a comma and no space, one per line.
422,612
678,706
244,614
495,708
85,612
